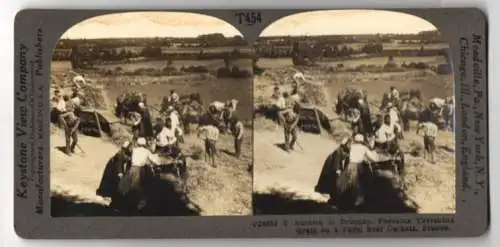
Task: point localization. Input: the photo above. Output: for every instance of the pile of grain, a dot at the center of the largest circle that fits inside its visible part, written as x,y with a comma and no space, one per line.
315,93
94,97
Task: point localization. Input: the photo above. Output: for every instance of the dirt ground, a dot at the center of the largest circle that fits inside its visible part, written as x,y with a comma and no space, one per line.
224,190
288,179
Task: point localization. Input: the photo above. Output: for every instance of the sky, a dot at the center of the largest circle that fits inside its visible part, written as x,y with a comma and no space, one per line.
179,24
149,24
331,22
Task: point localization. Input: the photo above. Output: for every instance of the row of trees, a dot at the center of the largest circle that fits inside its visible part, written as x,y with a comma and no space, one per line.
148,52
203,41
343,51
425,37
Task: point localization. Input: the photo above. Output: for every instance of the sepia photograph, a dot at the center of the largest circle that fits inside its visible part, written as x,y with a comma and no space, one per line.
151,114
353,113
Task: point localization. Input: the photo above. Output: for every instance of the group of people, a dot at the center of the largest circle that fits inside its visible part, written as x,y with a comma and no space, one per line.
345,170
388,130
168,132
127,175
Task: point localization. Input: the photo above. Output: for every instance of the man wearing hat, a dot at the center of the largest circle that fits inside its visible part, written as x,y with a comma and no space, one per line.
210,135
291,121
70,123
237,130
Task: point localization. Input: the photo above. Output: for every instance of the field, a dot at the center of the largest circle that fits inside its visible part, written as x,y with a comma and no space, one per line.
211,65
393,46
185,50
284,182
225,190
378,61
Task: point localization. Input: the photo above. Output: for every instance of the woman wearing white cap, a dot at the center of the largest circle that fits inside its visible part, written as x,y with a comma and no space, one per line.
359,155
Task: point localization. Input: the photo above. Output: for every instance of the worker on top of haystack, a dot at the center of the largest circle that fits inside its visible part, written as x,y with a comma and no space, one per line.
298,78
276,93
79,80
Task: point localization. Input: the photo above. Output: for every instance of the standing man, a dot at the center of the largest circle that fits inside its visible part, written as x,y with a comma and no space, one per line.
290,129
430,132
237,129
211,134
70,122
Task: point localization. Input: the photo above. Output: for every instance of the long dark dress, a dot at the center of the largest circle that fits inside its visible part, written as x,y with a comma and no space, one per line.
146,125
327,182
109,181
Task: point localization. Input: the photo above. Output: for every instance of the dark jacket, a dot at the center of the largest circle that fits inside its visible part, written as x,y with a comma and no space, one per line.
109,181
327,182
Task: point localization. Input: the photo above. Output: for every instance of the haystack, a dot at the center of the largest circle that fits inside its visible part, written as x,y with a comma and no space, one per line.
94,97
315,93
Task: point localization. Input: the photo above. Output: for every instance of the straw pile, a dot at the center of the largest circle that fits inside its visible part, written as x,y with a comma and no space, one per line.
315,93
94,97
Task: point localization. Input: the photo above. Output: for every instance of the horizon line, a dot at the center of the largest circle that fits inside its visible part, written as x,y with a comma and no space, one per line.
273,36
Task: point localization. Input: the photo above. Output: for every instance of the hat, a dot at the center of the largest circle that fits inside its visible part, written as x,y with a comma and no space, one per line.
359,138
126,144
141,104
360,101
141,141
344,141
